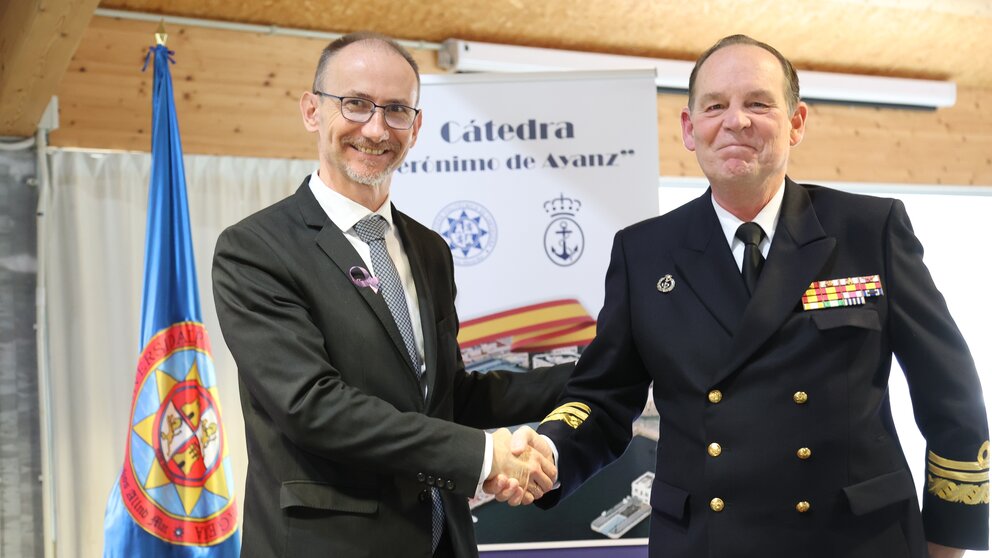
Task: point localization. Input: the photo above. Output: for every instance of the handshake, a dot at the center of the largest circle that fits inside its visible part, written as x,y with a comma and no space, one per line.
523,467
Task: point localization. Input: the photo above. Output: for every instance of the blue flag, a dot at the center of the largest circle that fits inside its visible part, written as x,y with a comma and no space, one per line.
175,494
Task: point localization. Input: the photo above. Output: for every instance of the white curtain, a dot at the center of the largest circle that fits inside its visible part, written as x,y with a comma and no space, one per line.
95,231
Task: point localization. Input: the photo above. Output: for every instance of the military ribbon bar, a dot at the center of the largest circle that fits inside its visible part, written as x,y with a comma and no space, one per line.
849,291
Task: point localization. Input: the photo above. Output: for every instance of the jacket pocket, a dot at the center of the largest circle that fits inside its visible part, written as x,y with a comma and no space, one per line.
321,496
831,318
669,500
881,491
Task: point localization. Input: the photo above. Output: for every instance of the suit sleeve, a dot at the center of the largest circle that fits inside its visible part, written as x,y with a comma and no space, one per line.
946,394
591,427
283,365
495,399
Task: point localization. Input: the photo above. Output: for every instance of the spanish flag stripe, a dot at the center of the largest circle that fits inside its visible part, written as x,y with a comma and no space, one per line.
570,337
521,320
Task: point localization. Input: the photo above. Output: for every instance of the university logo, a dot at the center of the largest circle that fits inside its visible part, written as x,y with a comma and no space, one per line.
177,481
469,229
563,239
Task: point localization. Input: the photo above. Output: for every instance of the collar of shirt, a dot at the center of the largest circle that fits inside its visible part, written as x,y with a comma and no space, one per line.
345,212
767,219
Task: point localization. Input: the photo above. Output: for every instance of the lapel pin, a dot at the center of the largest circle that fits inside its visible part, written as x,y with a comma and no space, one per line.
362,278
666,284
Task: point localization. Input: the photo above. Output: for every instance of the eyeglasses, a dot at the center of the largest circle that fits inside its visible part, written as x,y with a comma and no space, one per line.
357,109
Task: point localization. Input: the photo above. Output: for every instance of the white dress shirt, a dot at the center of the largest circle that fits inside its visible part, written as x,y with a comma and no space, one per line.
767,219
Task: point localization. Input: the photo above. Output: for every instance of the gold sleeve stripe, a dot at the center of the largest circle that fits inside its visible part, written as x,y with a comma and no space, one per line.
958,476
949,491
574,407
572,414
981,464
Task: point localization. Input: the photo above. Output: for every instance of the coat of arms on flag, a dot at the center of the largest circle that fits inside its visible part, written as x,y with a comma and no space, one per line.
175,482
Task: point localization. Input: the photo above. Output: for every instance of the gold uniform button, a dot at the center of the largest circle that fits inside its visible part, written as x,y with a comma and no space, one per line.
714,449
715,396
800,397
716,505
802,507
803,453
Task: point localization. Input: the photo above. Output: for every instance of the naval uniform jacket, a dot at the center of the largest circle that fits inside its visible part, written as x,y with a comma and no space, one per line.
341,444
776,437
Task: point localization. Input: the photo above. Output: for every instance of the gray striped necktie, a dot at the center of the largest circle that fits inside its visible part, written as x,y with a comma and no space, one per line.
372,230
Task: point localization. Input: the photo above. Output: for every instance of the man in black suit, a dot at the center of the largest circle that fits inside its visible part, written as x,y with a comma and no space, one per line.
766,314
363,427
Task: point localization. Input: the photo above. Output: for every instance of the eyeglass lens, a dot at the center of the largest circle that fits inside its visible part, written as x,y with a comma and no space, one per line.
361,110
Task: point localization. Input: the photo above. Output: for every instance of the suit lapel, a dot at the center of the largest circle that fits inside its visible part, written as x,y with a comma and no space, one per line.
333,243
799,251
708,267
424,299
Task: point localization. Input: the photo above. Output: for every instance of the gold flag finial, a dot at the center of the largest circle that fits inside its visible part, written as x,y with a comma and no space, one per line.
160,35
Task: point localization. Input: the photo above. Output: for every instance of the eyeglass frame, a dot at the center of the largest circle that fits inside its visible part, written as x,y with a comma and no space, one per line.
340,99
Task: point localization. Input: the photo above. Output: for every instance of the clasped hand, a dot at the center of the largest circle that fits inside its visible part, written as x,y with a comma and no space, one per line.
523,467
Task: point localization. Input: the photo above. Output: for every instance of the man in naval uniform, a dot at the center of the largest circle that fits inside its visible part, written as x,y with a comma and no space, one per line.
767,313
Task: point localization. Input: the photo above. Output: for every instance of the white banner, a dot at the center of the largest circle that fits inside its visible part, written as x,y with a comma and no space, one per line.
528,176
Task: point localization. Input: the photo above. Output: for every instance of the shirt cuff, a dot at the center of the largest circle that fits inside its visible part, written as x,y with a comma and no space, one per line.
487,462
554,454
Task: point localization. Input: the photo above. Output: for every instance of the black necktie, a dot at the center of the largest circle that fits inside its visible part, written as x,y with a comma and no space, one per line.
751,235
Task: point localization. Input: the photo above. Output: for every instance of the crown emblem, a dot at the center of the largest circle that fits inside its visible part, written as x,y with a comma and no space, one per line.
562,206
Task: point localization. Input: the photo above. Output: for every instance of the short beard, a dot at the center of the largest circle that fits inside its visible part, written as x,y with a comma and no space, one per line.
372,179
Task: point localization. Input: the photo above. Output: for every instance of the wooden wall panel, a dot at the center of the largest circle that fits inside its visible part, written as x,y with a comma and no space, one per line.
236,94
937,39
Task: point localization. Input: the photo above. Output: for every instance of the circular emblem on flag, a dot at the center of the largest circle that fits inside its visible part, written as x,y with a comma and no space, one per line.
177,481
469,229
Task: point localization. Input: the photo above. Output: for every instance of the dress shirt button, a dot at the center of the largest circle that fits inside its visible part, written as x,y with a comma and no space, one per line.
802,507
800,397
422,496
430,480
715,396
714,449
450,485
421,477
439,483
803,453
716,505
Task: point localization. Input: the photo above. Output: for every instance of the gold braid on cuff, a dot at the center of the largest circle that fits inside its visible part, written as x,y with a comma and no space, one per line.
572,414
964,482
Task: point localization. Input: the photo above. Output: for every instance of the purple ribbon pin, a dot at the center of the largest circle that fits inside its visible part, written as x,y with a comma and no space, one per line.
362,278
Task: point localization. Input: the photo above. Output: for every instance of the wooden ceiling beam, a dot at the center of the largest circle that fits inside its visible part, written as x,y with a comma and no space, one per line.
37,40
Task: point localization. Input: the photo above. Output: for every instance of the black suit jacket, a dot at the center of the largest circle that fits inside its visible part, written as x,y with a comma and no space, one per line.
341,444
729,370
